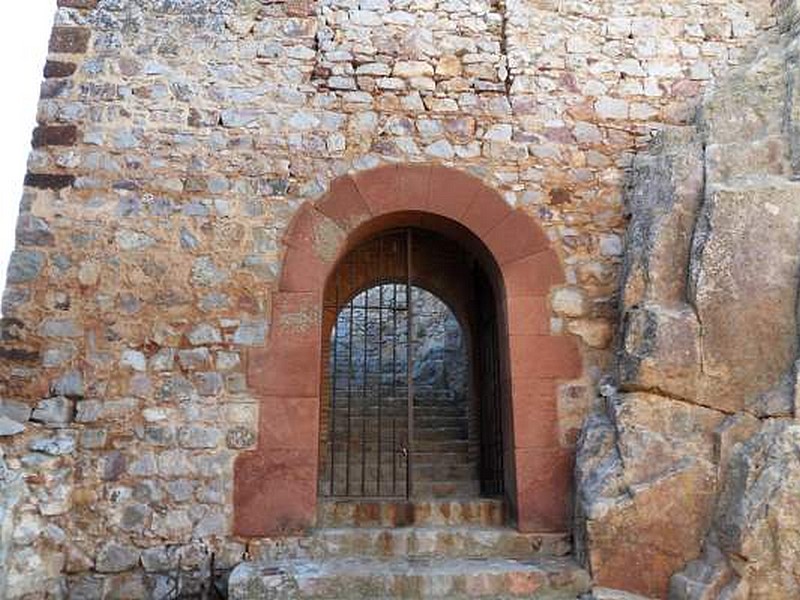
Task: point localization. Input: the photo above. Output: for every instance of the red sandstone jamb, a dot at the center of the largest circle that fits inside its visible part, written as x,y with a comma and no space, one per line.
528,315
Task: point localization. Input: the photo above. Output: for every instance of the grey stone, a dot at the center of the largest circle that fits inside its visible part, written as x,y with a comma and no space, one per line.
67,328
209,383
205,273
144,465
197,436
163,360
194,358
15,410
9,426
54,446
440,149
180,490
70,384
212,525
114,557
159,559
172,524
33,231
93,438
133,240
25,266
53,411
133,359
251,333
134,517
225,361
240,437
113,465
159,435
204,334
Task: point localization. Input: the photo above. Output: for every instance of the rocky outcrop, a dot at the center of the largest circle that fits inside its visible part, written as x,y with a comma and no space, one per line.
690,463
753,548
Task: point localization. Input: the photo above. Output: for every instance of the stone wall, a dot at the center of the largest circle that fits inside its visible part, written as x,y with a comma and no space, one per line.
176,140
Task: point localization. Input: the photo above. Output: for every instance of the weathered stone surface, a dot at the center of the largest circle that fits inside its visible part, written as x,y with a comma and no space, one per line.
16,410
744,277
54,446
115,557
25,266
753,548
647,464
9,426
53,411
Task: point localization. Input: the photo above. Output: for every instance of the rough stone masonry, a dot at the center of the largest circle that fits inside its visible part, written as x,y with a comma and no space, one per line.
176,140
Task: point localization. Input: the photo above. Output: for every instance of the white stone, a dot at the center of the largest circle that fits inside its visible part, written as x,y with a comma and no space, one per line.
133,359
569,302
440,149
611,108
408,69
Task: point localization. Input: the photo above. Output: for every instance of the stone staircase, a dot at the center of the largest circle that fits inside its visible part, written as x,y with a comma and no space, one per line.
445,457
449,549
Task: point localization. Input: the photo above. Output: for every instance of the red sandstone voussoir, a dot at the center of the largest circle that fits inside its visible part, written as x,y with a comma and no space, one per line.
486,210
452,192
413,186
344,205
533,275
380,189
516,237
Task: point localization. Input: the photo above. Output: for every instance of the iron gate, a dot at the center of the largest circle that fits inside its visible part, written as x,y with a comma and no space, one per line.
369,447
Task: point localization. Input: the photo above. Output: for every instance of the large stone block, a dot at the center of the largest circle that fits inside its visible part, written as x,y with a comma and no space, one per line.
753,548
644,467
743,283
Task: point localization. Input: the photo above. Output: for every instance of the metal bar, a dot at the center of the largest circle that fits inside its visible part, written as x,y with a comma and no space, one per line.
334,369
380,362
409,368
395,449
394,456
364,395
349,387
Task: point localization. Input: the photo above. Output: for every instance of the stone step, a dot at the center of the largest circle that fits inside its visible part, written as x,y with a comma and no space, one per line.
351,513
399,542
358,420
429,490
454,579
422,470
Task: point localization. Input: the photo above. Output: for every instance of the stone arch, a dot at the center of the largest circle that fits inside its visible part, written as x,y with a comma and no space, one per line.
275,485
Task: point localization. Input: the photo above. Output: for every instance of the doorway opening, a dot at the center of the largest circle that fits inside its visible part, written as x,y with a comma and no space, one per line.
412,391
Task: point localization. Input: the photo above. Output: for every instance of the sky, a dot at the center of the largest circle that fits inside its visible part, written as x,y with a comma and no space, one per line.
23,49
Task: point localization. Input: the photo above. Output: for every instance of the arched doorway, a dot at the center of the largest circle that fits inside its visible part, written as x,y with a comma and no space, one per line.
413,403
276,484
